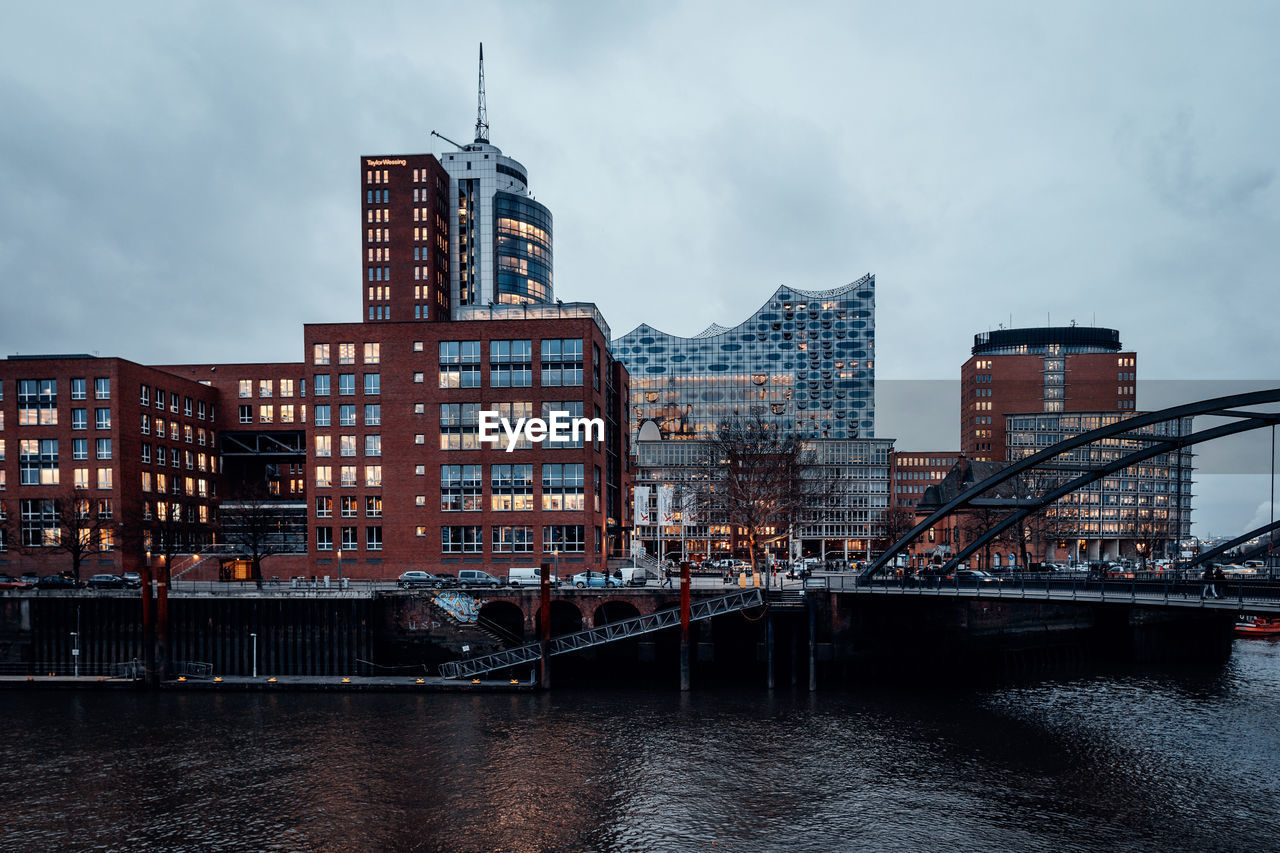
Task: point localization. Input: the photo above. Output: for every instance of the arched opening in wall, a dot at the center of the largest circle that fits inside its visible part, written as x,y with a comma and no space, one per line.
504,618
613,611
565,618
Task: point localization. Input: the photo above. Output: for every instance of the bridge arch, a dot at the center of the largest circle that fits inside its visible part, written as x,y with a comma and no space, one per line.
1226,407
506,615
614,610
566,618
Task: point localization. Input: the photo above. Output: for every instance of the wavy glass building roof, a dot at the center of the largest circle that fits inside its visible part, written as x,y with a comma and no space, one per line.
805,359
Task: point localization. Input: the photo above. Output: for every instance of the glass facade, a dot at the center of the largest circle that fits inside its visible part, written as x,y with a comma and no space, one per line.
805,360
522,249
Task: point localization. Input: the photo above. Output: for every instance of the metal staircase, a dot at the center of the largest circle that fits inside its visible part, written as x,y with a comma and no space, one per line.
657,621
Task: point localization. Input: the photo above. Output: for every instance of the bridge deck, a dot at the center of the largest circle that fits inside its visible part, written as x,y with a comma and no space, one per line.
1259,597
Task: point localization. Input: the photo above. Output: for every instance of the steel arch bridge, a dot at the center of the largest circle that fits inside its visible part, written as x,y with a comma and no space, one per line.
1230,407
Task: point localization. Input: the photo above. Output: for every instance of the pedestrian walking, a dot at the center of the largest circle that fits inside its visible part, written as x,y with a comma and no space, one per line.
1218,576
1208,590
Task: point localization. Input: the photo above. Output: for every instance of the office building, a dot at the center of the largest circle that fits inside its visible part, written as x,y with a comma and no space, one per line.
397,475
131,448
1049,369
455,231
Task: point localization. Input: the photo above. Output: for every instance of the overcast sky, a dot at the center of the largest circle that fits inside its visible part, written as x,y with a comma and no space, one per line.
179,182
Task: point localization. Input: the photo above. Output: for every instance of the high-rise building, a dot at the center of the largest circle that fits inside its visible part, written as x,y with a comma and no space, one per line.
404,234
805,361
1048,369
458,230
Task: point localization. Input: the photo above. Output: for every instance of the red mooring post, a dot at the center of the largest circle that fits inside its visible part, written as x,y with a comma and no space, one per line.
148,629
162,624
544,667
684,626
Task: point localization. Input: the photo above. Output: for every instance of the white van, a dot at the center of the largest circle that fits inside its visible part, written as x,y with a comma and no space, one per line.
527,577
638,576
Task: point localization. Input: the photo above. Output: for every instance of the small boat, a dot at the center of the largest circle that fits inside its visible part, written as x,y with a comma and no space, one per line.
1258,626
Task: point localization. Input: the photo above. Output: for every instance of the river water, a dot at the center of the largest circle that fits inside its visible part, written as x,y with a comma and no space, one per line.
1164,759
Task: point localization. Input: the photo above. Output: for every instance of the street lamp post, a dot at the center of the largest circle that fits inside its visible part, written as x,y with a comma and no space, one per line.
75,652
255,654
339,567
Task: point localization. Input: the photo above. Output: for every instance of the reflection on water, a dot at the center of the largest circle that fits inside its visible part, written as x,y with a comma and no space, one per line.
1134,760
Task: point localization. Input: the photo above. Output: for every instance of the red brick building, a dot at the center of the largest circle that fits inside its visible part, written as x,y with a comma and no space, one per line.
1052,369
133,445
404,232
397,476
913,471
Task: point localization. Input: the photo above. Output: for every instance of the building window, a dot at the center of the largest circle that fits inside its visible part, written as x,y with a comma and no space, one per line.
37,402
512,412
347,476
320,354
346,445
38,462
373,383
324,476
459,426
103,448
561,362
324,445
324,538
286,414
373,538
104,478
460,540
511,488
322,415
346,384
373,414
346,353
78,390
266,388
513,540
349,507
246,414
459,364
562,487
80,418
460,487
373,506
565,538
373,445
320,385
102,388
346,415
266,414
324,507
80,450
573,408
511,364
372,353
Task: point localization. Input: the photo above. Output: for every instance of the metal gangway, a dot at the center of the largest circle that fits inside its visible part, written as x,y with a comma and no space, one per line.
614,631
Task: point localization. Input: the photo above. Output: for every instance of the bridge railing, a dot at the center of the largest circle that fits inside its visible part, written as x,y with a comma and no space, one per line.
1136,587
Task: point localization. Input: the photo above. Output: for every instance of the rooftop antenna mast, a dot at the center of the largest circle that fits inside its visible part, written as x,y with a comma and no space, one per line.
482,114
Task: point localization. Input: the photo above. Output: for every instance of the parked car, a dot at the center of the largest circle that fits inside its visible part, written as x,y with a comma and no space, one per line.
582,580
106,582
417,579
58,582
30,577
10,582
132,580
475,577
527,577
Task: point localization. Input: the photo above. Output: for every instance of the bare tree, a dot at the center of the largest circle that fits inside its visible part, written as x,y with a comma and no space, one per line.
254,526
897,521
169,531
77,525
755,481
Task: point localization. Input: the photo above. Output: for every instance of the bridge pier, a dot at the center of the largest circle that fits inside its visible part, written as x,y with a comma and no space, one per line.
813,643
768,648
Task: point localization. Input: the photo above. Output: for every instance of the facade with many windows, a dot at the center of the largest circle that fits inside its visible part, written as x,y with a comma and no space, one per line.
1049,369
398,474
128,449
805,360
